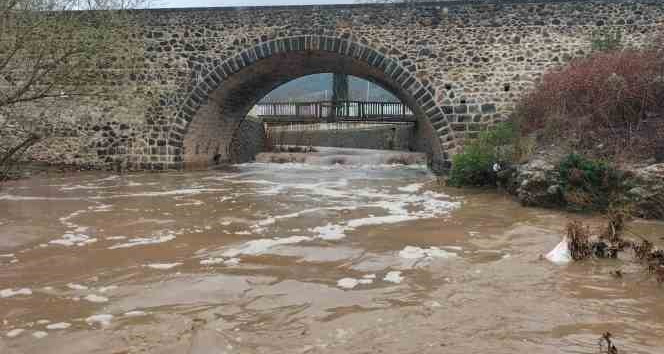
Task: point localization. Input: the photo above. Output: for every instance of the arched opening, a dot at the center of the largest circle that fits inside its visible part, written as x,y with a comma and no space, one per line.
213,114
332,110
318,87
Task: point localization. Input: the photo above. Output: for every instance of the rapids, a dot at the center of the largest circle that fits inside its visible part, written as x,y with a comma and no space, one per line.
316,257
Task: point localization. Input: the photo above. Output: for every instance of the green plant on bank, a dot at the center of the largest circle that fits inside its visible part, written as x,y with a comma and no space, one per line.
605,39
474,165
589,184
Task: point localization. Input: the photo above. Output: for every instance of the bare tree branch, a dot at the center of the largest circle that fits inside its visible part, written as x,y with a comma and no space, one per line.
50,52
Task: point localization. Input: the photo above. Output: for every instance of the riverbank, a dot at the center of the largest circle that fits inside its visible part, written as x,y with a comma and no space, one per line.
538,183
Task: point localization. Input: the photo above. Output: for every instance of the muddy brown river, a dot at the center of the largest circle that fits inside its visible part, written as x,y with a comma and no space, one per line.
364,257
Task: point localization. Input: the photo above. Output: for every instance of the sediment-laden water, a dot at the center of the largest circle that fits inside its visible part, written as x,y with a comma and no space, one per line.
364,257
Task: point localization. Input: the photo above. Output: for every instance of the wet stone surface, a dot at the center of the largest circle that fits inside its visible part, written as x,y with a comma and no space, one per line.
301,258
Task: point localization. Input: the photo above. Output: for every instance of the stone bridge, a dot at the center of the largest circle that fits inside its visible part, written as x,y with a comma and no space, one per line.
459,66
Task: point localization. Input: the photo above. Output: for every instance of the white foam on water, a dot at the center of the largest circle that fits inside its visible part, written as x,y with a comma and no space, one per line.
455,248
232,262
393,277
102,319
39,334
15,332
101,208
59,325
43,322
350,283
114,238
65,220
74,286
183,191
142,241
5,293
413,252
411,188
272,220
259,246
83,186
378,220
367,279
347,283
163,266
212,261
104,289
560,254
329,232
72,239
192,202
135,314
7,255
96,298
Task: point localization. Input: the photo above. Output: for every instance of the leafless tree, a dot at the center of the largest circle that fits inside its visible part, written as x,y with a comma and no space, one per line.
49,54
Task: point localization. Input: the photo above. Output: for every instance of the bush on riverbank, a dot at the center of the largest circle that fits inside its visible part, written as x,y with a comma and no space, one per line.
589,184
609,104
482,158
598,126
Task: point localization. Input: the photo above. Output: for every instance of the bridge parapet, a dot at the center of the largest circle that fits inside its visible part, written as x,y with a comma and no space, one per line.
319,111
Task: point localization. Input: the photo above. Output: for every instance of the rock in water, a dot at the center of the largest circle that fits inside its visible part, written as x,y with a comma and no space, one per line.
560,254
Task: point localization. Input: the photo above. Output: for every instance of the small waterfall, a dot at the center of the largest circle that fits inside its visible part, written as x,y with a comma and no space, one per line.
329,156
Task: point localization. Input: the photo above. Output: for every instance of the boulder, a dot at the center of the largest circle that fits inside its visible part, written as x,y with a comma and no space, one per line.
536,183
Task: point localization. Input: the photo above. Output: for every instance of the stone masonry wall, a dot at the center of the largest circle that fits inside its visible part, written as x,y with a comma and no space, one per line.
459,65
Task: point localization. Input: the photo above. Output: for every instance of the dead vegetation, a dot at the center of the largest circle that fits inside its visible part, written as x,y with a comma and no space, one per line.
52,54
606,345
583,244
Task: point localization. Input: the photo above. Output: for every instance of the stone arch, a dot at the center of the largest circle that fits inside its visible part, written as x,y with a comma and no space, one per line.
231,88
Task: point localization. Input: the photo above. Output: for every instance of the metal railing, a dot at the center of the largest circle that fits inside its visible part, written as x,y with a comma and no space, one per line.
327,110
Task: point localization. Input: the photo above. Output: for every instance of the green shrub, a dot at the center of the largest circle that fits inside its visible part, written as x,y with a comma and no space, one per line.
589,184
474,165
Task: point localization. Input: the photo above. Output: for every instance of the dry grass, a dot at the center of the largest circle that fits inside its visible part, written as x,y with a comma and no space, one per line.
578,240
583,244
608,105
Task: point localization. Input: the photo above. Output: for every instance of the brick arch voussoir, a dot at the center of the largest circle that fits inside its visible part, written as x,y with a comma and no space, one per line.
343,44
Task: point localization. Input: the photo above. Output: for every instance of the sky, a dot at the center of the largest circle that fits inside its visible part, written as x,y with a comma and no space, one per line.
216,3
